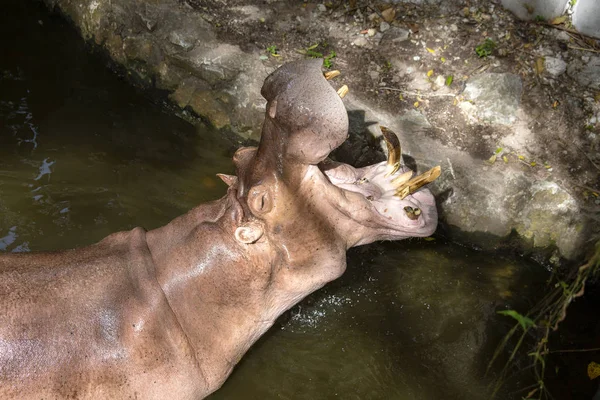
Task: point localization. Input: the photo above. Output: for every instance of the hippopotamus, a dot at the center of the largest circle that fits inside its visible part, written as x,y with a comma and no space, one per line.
167,313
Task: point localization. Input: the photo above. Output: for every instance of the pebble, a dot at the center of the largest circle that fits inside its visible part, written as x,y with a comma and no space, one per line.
563,36
360,41
321,8
440,81
555,66
384,26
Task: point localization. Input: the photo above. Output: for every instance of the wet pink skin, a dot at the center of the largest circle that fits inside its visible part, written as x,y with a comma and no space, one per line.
168,313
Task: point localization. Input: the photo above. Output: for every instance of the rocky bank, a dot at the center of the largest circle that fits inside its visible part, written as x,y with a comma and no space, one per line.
509,109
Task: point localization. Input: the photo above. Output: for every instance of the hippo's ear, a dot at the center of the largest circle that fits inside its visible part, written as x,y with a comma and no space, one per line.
248,234
228,179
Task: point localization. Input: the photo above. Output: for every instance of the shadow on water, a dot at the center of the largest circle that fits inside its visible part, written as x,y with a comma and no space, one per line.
82,155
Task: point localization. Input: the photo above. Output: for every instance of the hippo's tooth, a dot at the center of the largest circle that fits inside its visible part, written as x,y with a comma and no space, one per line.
411,213
394,159
416,183
343,91
331,74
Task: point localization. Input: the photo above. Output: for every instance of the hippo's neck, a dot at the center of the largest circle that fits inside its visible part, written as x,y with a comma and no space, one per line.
217,291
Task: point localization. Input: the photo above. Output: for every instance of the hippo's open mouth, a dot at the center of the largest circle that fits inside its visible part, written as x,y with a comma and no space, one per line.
388,192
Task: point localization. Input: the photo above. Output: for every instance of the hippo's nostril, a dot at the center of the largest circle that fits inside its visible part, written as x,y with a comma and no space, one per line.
412,213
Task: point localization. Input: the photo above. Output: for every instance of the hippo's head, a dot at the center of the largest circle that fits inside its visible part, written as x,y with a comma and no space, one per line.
307,210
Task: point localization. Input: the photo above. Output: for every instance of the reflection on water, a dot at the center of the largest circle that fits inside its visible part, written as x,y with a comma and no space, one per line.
83,155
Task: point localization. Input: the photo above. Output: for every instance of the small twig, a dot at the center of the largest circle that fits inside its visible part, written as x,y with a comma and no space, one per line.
574,350
586,156
588,188
481,68
584,49
573,31
418,94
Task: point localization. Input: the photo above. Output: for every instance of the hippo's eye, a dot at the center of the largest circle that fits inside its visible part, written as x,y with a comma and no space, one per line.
259,200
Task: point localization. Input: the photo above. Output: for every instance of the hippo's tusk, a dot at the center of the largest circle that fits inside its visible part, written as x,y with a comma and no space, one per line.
416,183
329,75
394,159
343,91
412,213
402,178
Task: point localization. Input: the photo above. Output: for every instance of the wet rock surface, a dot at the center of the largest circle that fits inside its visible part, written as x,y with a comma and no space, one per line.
513,121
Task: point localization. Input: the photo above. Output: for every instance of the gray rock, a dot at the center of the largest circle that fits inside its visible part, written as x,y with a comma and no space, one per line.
384,26
360,41
395,35
496,97
182,40
555,66
414,122
586,74
563,36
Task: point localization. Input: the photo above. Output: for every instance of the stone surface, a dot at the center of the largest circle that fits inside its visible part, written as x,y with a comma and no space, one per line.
496,97
586,73
395,35
530,9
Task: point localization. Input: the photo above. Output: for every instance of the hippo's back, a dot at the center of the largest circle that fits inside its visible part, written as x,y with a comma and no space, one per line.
89,323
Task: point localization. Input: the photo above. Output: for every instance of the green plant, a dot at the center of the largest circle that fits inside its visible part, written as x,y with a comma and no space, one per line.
486,48
327,63
539,18
544,318
572,3
313,53
272,50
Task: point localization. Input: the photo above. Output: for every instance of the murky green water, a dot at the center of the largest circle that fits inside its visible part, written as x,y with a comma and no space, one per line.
82,155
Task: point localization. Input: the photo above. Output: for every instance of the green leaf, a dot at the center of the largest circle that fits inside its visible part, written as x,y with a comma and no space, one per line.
499,150
524,321
449,80
485,49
